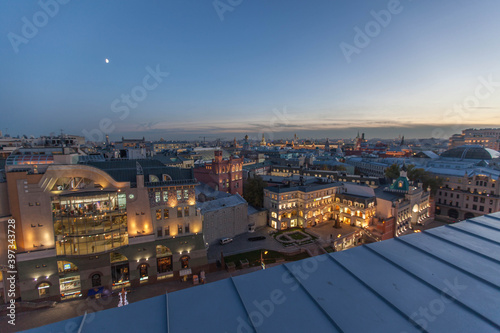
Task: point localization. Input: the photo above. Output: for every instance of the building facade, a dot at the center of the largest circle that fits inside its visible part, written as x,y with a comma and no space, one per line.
307,206
468,196
85,229
222,174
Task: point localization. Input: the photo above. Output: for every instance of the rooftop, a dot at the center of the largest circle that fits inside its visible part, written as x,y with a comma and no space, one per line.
471,152
442,280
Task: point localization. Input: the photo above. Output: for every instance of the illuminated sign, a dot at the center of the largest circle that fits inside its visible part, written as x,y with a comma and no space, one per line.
67,266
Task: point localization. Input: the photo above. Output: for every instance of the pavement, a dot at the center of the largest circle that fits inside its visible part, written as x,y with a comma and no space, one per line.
240,244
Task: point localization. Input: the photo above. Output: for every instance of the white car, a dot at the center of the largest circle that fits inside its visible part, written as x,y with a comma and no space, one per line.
225,240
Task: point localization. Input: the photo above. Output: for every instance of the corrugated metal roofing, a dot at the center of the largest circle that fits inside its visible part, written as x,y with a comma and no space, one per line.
443,280
126,170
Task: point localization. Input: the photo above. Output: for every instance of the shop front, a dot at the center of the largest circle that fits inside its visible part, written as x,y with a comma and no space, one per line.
120,271
164,262
69,280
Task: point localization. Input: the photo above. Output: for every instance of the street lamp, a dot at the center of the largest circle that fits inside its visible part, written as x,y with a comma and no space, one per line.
262,259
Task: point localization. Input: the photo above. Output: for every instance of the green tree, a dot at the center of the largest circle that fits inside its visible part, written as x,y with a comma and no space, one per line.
253,191
392,172
427,178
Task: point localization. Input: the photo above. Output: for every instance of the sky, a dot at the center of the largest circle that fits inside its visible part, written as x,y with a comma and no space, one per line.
226,68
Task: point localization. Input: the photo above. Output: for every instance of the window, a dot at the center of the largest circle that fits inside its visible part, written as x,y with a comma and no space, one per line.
186,211
186,229
481,208
165,196
167,230
157,197
43,289
186,194
96,280
143,272
474,207
179,228
158,214
166,213
475,199
164,264
179,211
482,200
179,194
185,262
159,232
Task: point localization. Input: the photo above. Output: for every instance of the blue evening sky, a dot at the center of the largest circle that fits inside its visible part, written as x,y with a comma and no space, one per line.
273,67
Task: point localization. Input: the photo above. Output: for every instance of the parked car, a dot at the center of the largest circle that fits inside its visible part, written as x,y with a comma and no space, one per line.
256,238
225,240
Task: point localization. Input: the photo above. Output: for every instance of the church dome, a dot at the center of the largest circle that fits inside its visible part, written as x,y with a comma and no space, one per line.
471,152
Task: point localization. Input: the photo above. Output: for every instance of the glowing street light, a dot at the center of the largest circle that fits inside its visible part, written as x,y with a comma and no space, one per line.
262,259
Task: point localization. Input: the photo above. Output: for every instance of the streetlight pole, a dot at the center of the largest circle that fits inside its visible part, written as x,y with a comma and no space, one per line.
262,259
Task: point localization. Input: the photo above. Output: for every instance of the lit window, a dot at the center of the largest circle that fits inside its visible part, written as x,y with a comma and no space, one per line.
158,214
186,211
166,213
186,194
165,196
157,197
179,194
179,211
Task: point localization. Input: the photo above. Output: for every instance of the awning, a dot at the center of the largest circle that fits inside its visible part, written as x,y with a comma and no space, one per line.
186,271
95,291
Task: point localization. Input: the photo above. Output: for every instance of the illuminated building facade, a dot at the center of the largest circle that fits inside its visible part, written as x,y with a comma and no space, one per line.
307,206
83,229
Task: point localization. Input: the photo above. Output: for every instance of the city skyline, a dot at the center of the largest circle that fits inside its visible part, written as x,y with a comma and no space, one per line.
385,68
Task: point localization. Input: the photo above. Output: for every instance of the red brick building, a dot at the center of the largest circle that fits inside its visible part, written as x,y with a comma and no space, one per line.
223,175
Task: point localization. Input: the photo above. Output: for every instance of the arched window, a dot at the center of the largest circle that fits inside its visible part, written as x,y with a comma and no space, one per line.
143,271
43,289
96,280
185,262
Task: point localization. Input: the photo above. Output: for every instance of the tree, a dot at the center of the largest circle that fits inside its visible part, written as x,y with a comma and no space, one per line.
253,191
392,172
427,178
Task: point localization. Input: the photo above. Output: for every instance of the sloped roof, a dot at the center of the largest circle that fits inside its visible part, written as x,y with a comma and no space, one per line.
213,205
359,190
445,279
126,170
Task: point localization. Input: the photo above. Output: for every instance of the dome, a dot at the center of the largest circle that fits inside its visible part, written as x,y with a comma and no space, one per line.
471,152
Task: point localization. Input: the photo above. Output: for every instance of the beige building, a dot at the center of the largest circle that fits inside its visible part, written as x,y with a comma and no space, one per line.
468,196
307,206
85,229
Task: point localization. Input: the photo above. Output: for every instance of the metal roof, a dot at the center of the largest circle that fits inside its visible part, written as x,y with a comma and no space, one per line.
126,170
445,279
